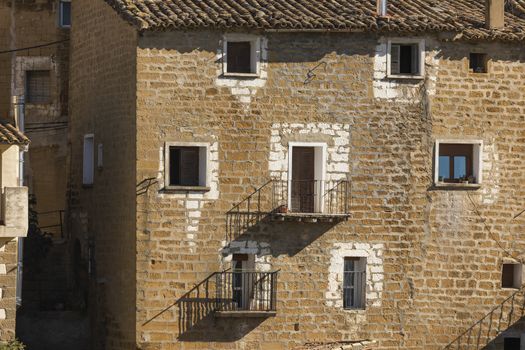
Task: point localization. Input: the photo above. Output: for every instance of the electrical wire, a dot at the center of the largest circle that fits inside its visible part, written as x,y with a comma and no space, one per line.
35,47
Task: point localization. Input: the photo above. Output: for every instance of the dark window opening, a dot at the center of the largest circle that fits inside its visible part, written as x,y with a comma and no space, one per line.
404,59
65,13
184,166
511,344
478,62
354,283
239,57
511,276
455,163
38,86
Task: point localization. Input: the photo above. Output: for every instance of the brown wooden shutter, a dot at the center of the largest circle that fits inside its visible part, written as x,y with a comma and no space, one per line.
184,166
189,166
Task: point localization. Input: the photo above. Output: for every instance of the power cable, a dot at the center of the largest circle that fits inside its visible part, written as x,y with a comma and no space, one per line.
35,47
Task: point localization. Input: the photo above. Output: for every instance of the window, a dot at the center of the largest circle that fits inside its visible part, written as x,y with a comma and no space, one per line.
88,160
511,275
478,62
242,54
38,86
186,165
65,13
512,344
405,59
354,283
458,162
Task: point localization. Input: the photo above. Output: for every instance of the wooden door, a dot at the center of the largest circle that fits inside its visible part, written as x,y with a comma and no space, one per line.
303,180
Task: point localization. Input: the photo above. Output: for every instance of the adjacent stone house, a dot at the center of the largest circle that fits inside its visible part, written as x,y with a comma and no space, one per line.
298,174
34,67
13,223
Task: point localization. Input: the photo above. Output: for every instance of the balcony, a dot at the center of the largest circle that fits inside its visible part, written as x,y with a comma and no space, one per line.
246,294
310,200
298,201
14,212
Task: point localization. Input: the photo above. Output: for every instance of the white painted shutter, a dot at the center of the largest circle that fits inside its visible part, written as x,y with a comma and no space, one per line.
415,59
88,160
394,58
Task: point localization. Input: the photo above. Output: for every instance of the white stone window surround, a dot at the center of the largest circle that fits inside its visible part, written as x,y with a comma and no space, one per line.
421,56
477,161
373,253
204,166
320,149
255,57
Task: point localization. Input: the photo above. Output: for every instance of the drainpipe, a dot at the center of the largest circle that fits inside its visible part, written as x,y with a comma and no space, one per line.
19,115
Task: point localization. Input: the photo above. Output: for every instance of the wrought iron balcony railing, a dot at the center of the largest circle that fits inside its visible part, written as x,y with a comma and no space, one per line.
311,196
246,292
290,199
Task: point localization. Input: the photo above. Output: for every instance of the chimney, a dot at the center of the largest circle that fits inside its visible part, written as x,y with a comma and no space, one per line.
381,8
494,14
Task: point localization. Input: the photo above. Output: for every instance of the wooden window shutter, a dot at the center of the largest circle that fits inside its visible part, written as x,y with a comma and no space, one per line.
395,53
415,59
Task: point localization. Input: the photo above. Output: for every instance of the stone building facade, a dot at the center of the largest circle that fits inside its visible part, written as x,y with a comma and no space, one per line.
412,122
38,71
13,224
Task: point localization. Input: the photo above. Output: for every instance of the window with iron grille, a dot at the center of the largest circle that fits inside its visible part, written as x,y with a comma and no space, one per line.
38,86
354,283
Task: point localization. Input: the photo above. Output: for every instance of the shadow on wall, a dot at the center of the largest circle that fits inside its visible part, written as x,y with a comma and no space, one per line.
277,238
197,321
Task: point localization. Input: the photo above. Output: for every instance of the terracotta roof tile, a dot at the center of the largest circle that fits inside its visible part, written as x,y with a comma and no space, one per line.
11,135
465,17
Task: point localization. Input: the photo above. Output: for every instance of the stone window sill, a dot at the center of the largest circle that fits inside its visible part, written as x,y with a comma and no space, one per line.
455,186
405,77
240,75
175,189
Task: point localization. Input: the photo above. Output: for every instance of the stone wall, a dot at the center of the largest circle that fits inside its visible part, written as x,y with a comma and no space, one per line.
8,268
46,124
102,215
436,270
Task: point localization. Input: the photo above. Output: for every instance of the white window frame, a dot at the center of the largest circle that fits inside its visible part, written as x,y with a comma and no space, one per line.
255,56
477,162
406,41
60,14
204,166
88,160
319,171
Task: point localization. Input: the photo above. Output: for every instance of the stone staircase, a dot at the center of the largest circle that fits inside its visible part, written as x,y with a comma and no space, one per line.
485,333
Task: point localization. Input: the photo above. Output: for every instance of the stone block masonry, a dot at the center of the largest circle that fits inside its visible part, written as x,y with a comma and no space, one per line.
433,263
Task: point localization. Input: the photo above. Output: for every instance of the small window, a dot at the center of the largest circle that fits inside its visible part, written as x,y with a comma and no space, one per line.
478,62
239,57
88,160
405,59
38,86
354,283
512,344
65,13
241,54
511,276
186,166
458,163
